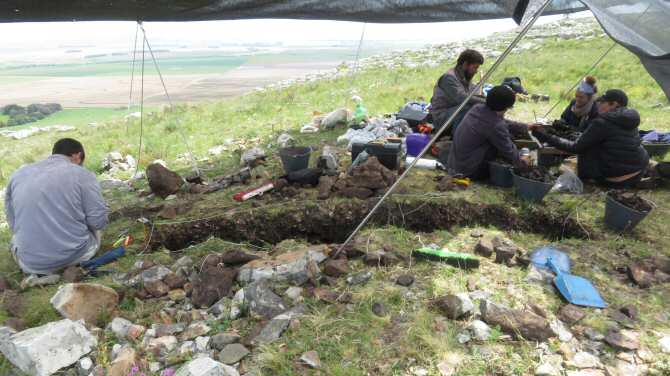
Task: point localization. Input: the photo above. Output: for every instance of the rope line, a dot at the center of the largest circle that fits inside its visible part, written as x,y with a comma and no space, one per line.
194,163
132,72
139,149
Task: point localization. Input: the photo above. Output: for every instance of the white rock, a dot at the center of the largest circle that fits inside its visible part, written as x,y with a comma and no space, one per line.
546,369
664,343
584,359
294,293
563,333
85,366
206,367
237,305
480,330
43,350
289,266
202,344
167,342
119,326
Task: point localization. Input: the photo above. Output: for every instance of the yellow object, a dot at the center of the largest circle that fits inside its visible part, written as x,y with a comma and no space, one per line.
463,182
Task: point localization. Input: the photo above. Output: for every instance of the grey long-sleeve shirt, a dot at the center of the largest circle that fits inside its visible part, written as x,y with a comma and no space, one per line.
52,208
482,136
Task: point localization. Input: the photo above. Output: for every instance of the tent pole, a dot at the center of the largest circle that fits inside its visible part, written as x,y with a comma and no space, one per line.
444,127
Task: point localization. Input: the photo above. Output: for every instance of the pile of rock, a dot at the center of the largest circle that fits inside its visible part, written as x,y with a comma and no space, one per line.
116,162
369,179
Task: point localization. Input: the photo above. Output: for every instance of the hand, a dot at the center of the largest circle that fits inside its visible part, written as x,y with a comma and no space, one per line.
534,126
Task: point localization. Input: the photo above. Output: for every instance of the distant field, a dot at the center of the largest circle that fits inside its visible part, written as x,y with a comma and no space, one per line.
171,63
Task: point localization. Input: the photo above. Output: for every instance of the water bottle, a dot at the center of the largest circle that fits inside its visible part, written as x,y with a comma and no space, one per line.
525,155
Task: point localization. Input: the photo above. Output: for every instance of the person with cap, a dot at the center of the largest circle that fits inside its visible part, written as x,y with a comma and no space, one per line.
610,150
453,87
55,211
583,108
484,135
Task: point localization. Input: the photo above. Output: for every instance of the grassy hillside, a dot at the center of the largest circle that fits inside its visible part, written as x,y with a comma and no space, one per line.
350,339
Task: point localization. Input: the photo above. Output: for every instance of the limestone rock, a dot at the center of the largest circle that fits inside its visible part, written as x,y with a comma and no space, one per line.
290,266
124,362
276,327
516,322
405,280
206,367
336,268
235,258
211,285
157,288
233,353
219,341
262,301
311,359
626,340
454,306
162,181
43,350
86,301
571,314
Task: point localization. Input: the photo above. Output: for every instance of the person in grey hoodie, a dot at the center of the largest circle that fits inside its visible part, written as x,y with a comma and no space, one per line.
484,135
610,150
453,87
55,211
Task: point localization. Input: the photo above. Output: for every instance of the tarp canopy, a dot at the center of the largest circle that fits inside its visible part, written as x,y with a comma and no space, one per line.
396,11
640,25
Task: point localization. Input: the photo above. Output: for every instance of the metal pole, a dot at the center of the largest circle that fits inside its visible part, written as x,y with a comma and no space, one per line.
488,74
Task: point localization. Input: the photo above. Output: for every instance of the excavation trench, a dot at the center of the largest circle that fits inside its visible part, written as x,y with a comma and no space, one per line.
331,222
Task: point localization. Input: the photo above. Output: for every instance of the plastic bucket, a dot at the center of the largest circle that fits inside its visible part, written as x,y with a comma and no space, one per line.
530,190
416,142
295,158
620,217
500,175
657,150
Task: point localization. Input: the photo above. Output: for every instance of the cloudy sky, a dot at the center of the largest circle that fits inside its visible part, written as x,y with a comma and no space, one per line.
32,35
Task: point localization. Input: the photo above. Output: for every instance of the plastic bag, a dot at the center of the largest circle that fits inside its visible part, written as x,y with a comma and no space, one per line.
568,182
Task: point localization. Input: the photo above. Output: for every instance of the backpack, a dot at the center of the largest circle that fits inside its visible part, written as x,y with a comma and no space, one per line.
514,83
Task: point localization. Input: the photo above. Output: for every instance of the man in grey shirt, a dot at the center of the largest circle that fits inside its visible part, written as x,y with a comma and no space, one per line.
453,87
55,210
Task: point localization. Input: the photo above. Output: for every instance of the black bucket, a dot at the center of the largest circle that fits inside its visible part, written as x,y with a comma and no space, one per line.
620,217
500,175
295,158
530,190
657,149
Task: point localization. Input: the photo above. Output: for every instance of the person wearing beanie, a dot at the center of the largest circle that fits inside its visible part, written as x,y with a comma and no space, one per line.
583,108
610,149
484,135
453,87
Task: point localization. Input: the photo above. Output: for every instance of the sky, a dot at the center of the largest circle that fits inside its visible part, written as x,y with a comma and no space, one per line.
54,34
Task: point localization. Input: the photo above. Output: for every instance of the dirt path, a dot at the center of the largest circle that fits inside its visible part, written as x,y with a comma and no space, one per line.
112,91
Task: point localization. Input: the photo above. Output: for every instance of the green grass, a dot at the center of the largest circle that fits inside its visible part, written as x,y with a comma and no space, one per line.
351,340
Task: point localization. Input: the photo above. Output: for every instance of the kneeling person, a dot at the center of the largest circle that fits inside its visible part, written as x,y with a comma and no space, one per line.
484,135
610,150
55,211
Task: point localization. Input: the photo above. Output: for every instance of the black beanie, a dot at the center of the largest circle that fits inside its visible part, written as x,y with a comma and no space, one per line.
500,98
615,95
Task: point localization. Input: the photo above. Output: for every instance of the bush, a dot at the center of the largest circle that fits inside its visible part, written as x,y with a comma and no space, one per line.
13,110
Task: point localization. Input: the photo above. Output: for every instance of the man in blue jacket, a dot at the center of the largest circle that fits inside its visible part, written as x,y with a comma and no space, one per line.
55,210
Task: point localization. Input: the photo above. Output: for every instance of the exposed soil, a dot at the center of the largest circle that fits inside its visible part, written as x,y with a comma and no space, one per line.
329,222
537,173
631,200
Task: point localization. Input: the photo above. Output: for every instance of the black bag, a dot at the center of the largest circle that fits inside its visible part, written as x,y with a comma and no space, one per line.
514,83
306,176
